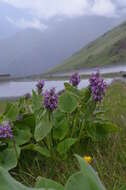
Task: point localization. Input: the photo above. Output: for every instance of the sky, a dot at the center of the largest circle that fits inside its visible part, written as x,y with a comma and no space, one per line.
37,14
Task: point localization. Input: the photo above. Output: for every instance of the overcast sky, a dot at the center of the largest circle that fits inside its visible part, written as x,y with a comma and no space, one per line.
22,14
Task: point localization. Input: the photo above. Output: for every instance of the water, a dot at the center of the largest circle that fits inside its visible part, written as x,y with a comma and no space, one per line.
106,70
103,70
16,89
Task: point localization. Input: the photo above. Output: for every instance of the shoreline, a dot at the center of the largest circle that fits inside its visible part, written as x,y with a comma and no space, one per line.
59,78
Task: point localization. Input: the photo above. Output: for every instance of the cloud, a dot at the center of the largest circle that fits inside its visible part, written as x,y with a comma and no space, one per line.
104,8
24,24
46,9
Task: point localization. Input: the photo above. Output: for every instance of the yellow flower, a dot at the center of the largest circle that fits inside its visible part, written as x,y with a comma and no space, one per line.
88,159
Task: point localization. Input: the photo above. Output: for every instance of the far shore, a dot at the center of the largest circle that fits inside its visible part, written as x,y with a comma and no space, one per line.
57,78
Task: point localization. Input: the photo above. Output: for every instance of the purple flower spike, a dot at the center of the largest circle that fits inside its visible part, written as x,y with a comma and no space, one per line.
6,131
98,87
40,86
51,99
75,79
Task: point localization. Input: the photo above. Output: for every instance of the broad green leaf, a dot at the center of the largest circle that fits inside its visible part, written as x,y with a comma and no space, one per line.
8,158
85,95
67,102
42,150
36,101
11,111
72,89
22,136
79,181
86,169
109,127
28,121
9,183
43,127
65,145
123,187
61,129
58,115
102,129
48,183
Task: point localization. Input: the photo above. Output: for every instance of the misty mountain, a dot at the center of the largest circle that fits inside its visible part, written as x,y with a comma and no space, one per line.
33,51
108,49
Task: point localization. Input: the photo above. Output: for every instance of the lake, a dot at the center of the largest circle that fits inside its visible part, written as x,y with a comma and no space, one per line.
103,70
16,89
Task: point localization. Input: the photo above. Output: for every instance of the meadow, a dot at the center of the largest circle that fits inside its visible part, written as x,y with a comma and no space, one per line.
50,153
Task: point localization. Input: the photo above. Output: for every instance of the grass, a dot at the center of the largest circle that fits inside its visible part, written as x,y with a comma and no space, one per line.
107,50
109,155
2,106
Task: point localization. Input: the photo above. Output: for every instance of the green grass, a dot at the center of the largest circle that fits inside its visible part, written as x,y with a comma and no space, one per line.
2,106
107,50
109,155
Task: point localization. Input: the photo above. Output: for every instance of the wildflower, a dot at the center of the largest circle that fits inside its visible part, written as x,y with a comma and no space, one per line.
6,131
75,79
98,87
88,159
40,86
51,99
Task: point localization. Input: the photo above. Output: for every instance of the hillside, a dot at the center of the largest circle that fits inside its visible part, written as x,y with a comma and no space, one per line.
107,50
31,51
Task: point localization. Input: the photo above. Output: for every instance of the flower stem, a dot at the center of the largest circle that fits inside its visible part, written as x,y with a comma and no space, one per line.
14,143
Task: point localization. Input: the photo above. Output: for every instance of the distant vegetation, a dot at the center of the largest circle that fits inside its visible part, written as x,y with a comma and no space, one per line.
40,134
109,49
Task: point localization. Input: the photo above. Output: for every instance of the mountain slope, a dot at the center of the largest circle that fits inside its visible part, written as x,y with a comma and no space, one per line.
34,52
107,50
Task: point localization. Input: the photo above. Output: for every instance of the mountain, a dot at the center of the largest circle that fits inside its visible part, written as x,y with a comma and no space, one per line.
33,52
109,49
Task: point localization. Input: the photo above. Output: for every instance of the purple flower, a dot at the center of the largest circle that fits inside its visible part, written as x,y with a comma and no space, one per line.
98,87
75,79
51,99
40,86
6,131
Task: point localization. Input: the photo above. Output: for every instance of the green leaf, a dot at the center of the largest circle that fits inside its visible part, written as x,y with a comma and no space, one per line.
9,183
11,111
8,158
47,183
65,145
36,101
123,187
67,102
43,127
79,181
61,129
42,150
72,89
22,136
58,115
28,121
93,179
100,130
